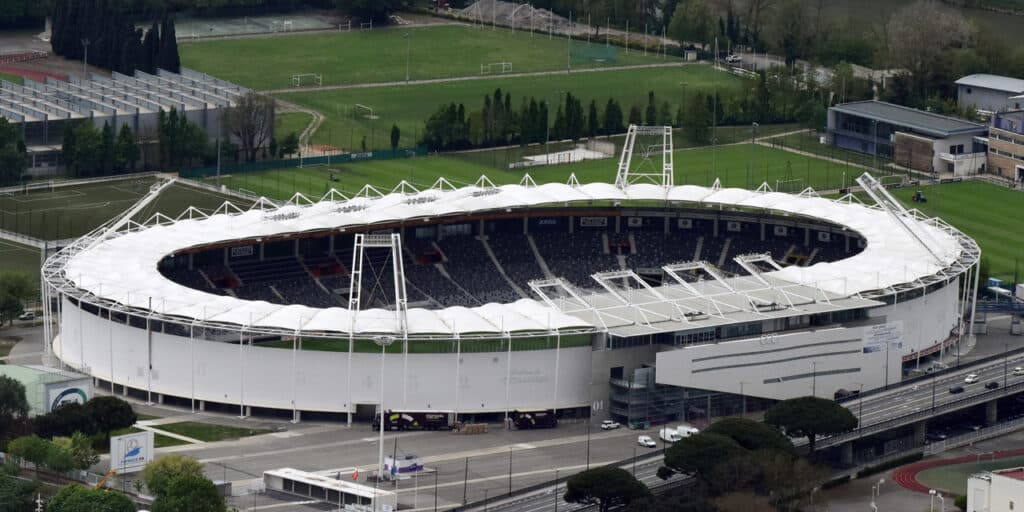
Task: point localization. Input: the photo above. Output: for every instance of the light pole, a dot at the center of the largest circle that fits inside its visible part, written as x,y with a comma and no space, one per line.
860,407
408,50
85,60
814,378
753,141
384,342
876,490
874,143
743,399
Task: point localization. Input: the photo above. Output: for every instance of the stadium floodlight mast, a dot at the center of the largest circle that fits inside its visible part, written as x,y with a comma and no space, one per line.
384,342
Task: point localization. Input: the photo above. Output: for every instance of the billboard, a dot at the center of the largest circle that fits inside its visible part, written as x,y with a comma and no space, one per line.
883,337
65,394
131,452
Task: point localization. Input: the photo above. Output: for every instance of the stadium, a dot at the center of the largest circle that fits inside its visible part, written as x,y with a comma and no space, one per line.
640,299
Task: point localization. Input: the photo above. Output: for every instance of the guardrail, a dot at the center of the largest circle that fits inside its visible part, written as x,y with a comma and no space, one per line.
898,421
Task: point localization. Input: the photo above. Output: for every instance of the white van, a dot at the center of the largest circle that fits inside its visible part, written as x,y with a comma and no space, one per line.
686,430
670,435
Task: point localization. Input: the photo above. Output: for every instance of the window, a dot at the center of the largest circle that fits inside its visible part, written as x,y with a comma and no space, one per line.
969,91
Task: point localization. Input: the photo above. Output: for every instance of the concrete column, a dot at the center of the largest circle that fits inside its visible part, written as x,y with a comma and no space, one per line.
160,398
296,247
991,412
261,246
846,454
618,224
847,243
920,429
667,221
715,227
807,237
202,405
248,411
762,230
526,225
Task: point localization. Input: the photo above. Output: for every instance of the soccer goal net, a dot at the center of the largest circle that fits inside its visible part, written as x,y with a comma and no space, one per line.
494,68
314,78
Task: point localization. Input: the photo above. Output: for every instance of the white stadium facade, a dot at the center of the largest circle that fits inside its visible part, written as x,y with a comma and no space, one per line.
642,301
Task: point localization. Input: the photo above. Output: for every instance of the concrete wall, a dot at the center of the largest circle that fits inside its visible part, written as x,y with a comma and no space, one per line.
318,380
1006,154
821,361
602,363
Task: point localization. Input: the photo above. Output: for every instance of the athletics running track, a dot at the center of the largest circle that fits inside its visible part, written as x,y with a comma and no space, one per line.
906,476
38,76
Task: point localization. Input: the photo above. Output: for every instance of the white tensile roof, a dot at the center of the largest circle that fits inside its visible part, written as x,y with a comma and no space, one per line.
123,267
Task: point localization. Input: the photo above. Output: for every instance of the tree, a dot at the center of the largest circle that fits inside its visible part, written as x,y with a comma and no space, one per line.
159,473
613,117
13,156
921,43
698,119
13,405
793,27
608,486
396,135
376,10
251,121
127,148
79,447
77,498
15,494
651,112
31,448
751,435
700,453
64,421
169,59
635,116
692,22
810,417
108,149
110,413
289,145
194,493
593,121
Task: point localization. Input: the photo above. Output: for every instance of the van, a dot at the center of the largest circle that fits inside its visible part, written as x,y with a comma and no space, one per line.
670,435
686,430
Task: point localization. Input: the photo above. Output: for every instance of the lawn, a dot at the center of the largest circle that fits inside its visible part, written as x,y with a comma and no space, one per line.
288,122
159,440
210,432
12,78
408,107
380,55
692,166
988,213
953,478
69,212
15,257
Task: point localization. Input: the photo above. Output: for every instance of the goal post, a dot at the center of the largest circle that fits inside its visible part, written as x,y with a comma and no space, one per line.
494,68
790,186
364,111
316,78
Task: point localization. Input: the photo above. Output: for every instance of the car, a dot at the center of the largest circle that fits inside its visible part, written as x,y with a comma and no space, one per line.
609,425
991,385
28,315
935,436
971,379
733,59
670,435
1018,371
646,442
956,390
687,430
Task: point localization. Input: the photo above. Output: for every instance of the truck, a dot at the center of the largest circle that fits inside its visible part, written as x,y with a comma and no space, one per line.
543,418
670,435
399,420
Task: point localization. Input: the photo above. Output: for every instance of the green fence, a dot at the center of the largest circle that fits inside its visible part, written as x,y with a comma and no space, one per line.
241,168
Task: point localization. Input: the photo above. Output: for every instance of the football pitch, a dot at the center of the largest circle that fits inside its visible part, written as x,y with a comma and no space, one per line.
379,55
408,107
740,165
988,213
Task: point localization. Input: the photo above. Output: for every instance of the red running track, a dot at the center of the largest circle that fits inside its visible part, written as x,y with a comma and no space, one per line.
38,76
906,476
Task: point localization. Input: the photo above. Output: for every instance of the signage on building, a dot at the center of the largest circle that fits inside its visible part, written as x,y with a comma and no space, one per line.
58,396
877,337
131,452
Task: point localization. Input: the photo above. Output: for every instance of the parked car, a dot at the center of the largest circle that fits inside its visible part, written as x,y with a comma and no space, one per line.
609,425
733,59
971,379
28,315
646,442
1018,371
934,435
991,385
956,390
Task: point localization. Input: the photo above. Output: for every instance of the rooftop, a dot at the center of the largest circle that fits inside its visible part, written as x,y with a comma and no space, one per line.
926,122
994,82
115,96
1014,473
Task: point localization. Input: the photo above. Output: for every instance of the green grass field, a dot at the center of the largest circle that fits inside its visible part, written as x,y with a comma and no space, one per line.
741,165
288,122
410,106
380,55
953,478
18,258
209,432
68,212
12,78
988,213
159,440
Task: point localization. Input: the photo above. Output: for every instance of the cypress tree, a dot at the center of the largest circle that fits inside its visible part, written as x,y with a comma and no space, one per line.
150,49
172,61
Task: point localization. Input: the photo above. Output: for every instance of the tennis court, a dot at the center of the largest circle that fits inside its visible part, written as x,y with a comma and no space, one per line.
196,28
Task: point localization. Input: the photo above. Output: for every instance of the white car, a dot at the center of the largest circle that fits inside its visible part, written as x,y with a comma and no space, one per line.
28,315
609,425
971,379
670,435
687,430
646,442
1018,371
733,59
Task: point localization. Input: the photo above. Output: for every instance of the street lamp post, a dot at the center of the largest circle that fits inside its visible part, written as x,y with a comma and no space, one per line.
408,50
743,399
384,342
753,141
860,407
814,378
85,60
